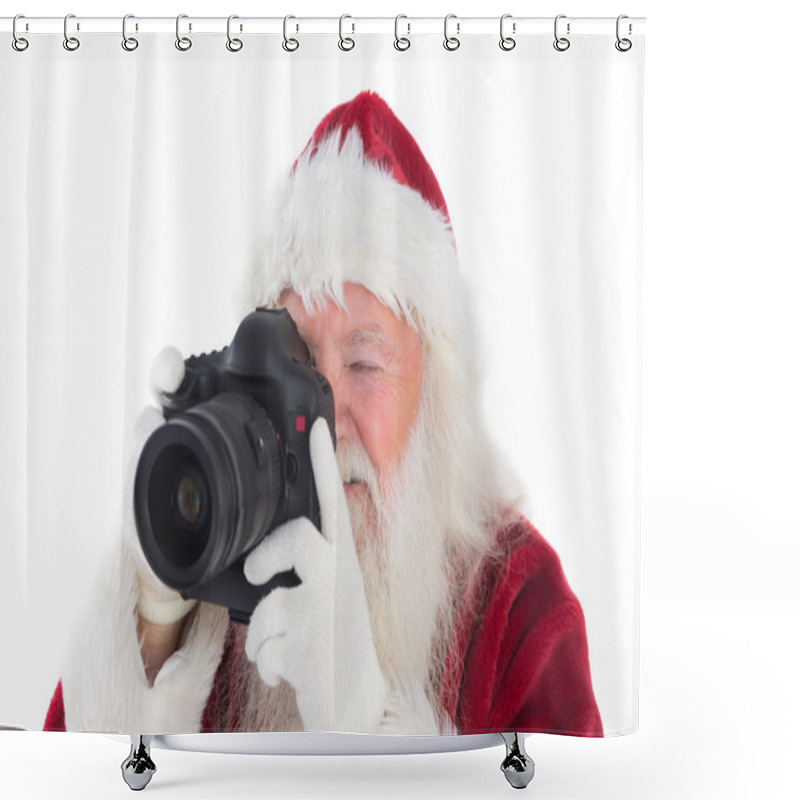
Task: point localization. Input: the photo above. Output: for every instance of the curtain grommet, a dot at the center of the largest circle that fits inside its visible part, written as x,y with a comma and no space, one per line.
71,43
401,43
561,43
233,44
346,43
289,44
183,43
129,43
507,43
19,43
451,43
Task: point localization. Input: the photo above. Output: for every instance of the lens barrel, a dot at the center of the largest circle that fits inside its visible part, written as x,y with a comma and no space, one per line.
207,488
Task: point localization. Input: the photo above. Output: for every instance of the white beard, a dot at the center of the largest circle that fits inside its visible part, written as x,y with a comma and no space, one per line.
409,582
400,540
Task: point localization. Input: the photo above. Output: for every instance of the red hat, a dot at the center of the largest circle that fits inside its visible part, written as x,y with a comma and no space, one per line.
385,141
362,205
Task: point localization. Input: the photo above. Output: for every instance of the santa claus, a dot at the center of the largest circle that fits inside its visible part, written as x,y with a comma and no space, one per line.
427,603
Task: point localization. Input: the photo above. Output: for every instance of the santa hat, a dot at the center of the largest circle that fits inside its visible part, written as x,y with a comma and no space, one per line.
362,205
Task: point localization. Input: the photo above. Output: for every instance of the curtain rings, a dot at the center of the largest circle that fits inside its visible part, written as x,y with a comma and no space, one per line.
129,43
506,42
451,42
19,43
70,42
234,45
401,43
183,43
623,45
345,42
289,45
561,43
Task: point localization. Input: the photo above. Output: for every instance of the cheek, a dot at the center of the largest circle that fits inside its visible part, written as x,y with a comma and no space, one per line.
384,415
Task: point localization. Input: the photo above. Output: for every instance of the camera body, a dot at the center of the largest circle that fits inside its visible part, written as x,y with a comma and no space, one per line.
232,462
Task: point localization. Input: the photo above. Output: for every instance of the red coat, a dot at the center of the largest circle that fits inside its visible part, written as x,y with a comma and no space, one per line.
518,661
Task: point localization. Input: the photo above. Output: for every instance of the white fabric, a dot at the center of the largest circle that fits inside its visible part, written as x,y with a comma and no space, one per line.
317,636
133,194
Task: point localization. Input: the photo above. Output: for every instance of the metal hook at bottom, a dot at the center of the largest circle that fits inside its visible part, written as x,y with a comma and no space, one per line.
138,768
517,766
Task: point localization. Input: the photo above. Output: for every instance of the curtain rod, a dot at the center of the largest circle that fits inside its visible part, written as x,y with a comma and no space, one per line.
327,25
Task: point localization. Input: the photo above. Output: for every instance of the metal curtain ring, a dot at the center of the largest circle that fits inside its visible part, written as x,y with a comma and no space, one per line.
345,42
70,42
506,42
290,45
234,45
183,43
623,45
451,42
561,43
401,42
18,42
129,43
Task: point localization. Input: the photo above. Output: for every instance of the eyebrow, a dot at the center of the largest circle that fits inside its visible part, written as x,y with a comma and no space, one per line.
373,336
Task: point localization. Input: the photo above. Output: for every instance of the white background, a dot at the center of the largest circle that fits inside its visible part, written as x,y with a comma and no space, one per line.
719,612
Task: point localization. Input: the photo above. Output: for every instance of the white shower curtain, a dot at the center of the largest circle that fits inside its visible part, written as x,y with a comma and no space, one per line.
137,194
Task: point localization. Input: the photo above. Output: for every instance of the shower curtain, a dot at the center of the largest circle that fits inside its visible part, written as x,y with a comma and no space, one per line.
320,375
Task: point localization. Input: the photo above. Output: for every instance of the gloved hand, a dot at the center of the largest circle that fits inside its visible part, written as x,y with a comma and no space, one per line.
317,636
157,603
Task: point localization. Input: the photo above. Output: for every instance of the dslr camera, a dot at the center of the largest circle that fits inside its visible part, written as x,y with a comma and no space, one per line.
232,462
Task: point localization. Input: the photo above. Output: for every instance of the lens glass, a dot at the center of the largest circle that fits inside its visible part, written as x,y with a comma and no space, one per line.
191,496
180,505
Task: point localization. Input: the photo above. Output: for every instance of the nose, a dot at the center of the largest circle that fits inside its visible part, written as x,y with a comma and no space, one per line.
326,364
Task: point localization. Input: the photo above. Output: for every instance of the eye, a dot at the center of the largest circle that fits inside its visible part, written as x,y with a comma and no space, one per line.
364,366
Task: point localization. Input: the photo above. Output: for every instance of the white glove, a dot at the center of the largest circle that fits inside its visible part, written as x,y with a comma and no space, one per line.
157,603
317,636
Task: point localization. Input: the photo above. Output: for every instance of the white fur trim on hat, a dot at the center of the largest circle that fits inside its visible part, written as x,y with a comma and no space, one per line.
340,218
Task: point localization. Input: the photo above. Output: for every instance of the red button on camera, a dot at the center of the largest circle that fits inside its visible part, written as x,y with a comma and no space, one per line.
300,424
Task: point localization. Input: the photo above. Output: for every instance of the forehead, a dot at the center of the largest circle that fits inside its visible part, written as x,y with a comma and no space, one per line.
359,313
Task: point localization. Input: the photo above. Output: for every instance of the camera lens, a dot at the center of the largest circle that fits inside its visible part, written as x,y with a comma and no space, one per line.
178,506
207,486
191,495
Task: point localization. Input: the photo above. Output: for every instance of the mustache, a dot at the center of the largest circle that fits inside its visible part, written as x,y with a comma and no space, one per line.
355,465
